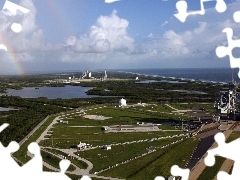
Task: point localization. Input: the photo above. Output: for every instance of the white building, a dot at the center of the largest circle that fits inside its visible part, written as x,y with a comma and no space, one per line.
122,102
105,75
106,147
81,145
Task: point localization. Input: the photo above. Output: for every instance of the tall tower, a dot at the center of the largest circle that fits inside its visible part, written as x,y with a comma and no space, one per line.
105,75
228,102
232,100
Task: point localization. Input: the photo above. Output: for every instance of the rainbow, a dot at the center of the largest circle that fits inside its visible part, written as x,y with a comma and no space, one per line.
13,57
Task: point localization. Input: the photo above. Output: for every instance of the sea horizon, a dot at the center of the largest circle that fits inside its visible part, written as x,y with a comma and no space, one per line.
199,74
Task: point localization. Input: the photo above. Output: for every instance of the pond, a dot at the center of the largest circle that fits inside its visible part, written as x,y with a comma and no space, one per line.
188,91
7,109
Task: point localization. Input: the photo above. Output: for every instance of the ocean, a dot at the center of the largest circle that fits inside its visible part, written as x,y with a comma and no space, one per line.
218,75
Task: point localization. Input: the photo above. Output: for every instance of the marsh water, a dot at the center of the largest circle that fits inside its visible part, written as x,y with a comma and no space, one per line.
66,92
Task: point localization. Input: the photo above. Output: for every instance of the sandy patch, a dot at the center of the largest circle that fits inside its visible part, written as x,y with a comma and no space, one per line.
96,117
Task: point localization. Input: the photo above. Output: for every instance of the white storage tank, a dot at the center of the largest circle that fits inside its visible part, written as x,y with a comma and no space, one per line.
122,102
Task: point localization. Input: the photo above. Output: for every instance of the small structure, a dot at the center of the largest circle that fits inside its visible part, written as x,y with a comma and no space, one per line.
104,77
122,102
104,128
81,146
107,147
87,75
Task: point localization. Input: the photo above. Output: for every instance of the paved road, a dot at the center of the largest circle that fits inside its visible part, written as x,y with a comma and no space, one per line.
206,136
171,107
41,137
201,149
77,171
200,166
33,131
68,151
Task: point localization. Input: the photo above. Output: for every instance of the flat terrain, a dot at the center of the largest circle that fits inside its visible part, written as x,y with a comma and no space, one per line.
159,127
136,151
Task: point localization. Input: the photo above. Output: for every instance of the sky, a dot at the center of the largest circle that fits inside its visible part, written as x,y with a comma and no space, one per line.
72,35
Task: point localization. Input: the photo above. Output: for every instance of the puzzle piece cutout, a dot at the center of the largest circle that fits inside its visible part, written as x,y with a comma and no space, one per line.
32,169
236,16
227,150
176,171
3,126
12,9
182,8
85,178
223,51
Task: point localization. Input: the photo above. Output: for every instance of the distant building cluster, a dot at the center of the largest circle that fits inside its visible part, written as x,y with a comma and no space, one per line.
87,75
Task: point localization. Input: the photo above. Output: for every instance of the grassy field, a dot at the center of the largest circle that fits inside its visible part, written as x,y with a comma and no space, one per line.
158,163
195,106
75,128
54,161
79,129
89,131
103,158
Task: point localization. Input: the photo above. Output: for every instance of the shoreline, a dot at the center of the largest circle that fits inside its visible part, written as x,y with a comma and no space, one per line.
173,78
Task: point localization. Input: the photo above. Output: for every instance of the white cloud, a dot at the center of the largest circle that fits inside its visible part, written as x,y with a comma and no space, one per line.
201,28
108,44
108,34
111,1
175,43
70,41
150,35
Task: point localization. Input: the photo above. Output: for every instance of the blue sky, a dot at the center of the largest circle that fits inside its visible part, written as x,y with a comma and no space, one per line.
61,35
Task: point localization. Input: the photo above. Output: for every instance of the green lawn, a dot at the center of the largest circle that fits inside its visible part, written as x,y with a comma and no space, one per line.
103,158
158,163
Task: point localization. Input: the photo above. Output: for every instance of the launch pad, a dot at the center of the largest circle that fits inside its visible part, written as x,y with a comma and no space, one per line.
227,105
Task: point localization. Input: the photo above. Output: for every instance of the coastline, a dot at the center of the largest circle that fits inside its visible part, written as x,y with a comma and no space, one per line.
215,76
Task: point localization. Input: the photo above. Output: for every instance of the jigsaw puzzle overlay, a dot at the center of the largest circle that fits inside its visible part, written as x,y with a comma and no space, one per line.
223,51
182,7
226,150
12,9
220,7
31,170
34,168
